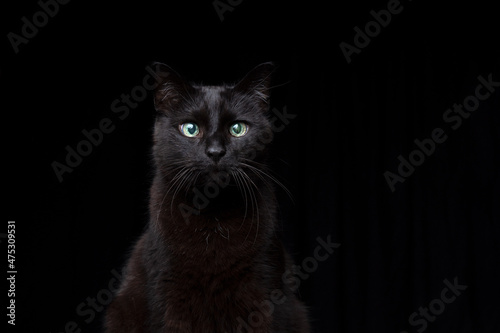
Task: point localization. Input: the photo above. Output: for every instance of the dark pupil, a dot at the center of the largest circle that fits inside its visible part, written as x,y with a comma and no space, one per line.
191,129
237,128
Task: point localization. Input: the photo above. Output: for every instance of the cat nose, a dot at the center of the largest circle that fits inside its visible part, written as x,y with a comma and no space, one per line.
215,152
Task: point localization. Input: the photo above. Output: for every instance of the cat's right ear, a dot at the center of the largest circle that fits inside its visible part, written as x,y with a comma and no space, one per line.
256,82
171,88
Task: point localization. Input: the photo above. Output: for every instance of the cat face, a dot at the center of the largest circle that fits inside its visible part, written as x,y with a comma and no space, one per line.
208,129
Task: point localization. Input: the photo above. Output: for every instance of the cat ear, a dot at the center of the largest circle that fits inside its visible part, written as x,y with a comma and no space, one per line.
171,88
257,82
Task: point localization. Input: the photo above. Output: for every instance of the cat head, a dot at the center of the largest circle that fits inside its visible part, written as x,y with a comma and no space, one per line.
209,129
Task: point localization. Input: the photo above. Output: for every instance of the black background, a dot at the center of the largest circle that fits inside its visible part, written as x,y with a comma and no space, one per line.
352,122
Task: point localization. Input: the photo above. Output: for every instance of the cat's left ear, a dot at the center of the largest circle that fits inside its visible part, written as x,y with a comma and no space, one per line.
171,88
257,82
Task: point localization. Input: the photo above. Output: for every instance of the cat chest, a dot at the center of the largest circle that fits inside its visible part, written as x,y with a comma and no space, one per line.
214,304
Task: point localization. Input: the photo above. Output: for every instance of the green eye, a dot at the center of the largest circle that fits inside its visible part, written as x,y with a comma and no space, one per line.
189,129
238,129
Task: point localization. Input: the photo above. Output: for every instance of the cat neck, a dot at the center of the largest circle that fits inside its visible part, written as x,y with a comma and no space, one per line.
231,227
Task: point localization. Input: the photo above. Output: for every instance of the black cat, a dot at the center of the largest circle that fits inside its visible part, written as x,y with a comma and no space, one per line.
209,261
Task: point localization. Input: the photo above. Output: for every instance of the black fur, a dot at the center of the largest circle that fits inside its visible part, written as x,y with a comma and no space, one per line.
210,260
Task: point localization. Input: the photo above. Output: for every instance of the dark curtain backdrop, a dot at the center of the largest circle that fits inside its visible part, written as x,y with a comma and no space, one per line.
422,257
